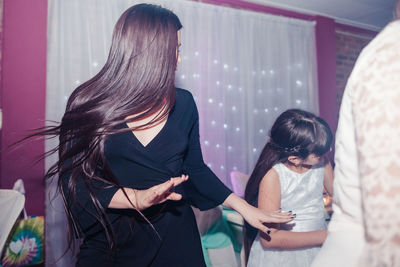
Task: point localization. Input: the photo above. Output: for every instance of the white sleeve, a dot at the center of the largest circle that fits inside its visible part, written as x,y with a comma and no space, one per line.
376,111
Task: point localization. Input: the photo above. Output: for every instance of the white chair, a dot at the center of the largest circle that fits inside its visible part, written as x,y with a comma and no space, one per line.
239,181
11,203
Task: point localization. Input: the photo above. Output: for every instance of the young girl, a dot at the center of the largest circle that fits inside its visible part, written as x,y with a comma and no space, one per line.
290,174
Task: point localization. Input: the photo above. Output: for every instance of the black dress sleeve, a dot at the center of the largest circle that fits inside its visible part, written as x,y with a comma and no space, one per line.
204,188
81,203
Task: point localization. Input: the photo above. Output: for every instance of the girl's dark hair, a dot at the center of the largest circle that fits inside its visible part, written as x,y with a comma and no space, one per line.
294,133
137,78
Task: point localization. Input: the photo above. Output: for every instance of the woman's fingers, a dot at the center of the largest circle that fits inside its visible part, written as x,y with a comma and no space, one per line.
178,180
174,196
282,215
277,217
165,187
262,228
282,220
272,217
162,188
160,193
168,185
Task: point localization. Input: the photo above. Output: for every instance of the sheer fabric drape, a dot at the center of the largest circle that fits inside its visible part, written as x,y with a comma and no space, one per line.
244,68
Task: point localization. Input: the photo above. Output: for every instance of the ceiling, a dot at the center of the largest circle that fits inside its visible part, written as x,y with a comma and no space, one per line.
369,14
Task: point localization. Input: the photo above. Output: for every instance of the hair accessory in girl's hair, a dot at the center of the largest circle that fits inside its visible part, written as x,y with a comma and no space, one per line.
292,149
285,149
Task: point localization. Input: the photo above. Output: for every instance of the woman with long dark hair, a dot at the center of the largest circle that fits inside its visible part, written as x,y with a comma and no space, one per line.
291,173
124,133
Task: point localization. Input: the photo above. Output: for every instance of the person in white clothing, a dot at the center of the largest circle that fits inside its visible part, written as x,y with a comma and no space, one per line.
365,226
291,173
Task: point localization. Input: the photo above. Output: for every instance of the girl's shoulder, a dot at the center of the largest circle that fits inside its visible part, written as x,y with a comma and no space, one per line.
284,174
279,168
271,177
273,174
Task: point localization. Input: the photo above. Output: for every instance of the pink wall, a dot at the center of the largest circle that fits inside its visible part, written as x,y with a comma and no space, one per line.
326,63
23,89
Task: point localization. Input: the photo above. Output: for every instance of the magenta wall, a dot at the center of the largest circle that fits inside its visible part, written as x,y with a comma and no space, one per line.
326,63
23,89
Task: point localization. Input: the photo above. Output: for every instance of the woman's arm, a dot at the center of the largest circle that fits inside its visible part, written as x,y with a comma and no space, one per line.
269,199
205,189
254,216
142,199
328,177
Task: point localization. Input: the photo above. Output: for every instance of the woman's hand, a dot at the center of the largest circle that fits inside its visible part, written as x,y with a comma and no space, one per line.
158,193
143,199
257,217
254,216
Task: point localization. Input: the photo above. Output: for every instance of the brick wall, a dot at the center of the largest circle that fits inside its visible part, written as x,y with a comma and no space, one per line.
348,46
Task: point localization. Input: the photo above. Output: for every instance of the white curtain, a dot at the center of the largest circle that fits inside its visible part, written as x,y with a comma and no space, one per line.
244,68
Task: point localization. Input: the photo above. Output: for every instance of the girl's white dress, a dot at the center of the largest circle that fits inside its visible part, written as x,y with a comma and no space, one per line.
301,193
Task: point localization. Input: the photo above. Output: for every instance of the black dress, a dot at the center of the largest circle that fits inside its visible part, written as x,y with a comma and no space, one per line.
174,240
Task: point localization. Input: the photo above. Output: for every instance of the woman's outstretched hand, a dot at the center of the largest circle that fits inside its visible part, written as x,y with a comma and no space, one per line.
256,217
158,193
143,199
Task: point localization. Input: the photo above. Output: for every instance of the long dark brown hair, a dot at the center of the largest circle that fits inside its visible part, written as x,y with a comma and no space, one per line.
294,133
137,78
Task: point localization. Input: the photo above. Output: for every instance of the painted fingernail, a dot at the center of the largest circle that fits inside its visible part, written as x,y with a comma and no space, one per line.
268,232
